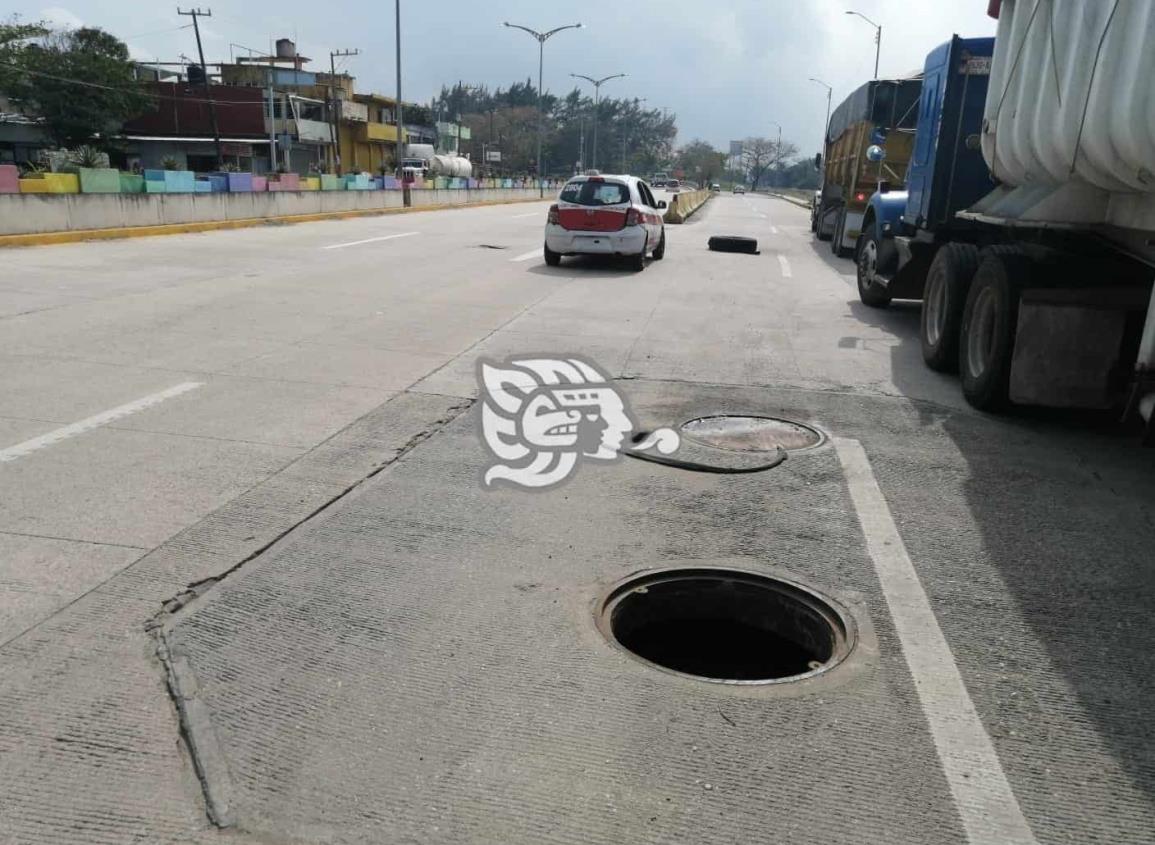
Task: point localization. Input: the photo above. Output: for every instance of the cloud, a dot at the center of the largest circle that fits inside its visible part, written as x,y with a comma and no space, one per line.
60,18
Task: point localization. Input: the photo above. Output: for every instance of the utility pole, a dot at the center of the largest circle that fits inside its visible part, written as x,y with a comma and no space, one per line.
541,37
207,13
334,118
597,83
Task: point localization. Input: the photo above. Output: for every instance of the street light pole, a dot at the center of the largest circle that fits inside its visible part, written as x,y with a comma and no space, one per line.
400,116
625,135
826,125
597,83
541,37
778,153
877,38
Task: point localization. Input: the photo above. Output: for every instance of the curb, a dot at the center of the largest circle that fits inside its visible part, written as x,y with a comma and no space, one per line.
791,200
78,235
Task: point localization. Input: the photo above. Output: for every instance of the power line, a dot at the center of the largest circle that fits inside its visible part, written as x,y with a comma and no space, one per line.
149,94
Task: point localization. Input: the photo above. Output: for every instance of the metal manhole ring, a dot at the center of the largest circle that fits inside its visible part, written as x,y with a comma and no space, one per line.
727,626
752,433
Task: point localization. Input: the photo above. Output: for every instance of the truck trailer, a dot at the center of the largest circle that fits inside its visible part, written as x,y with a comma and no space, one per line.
1028,225
882,114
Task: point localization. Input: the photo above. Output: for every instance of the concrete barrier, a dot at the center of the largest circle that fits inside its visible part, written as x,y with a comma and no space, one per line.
26,217
685,203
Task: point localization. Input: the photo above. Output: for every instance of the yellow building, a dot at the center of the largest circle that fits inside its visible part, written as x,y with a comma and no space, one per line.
369,133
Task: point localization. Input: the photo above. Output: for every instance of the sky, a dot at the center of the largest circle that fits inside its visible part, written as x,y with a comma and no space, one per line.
728,69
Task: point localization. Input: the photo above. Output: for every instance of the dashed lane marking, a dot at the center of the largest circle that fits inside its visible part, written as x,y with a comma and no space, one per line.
20,450
526,256
371,240
784,263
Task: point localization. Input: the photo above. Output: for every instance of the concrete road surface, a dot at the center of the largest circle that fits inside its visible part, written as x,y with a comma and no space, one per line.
252,589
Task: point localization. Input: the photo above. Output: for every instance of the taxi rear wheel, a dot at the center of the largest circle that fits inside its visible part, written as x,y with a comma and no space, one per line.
552,258
638,261
660,249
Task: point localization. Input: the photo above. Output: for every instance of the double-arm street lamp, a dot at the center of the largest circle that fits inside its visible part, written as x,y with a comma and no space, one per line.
541,37
877,37
597,83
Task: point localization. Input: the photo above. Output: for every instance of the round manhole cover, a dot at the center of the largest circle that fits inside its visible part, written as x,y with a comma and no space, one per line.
727,625
751,434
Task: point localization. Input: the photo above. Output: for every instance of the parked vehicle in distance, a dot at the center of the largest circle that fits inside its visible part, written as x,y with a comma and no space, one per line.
673,185
1028,229
815,204
606,215
716,188
879,116
739,189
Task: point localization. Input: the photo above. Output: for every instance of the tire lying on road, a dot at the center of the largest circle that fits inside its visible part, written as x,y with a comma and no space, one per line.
733,243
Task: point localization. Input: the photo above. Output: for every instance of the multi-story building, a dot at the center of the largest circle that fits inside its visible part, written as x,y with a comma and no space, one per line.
272,113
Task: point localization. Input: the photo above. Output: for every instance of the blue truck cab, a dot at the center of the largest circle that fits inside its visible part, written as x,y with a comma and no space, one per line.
902,230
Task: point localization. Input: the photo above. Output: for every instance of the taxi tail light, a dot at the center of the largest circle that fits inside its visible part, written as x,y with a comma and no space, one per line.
552,218
633,217
860,197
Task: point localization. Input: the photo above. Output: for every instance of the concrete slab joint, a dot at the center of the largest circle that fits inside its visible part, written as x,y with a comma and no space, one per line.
193,714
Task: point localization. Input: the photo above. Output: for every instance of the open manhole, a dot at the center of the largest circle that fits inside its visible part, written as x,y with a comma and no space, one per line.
751,434
727,625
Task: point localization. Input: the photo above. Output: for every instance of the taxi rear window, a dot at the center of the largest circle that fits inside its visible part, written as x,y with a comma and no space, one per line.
595,193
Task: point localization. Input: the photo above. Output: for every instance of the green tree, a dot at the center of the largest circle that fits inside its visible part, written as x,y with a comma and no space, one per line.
79,81
700,162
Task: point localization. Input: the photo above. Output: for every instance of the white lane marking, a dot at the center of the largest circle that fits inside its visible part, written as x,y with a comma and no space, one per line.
985,802
531,214
371,240
18,451
773,230
526,256
784,263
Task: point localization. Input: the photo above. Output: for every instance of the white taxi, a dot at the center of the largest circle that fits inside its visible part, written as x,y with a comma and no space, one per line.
606,215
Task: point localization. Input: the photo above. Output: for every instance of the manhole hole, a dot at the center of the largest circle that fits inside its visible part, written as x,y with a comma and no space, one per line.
727,625
751,434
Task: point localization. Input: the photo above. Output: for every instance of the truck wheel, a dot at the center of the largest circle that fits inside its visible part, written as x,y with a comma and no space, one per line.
836,237
660,249
987,334
552,258
872,258
947,283
820,226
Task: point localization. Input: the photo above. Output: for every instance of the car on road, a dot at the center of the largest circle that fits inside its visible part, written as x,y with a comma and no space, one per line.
739,189
673,185
815,204
606,215
716,188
